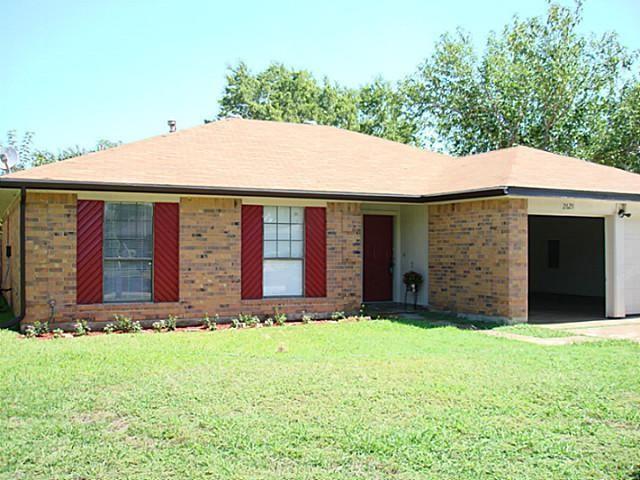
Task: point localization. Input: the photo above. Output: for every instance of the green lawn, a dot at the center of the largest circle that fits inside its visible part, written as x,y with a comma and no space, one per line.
372,400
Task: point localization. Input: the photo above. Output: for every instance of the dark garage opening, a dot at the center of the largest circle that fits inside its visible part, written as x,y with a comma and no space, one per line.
566,269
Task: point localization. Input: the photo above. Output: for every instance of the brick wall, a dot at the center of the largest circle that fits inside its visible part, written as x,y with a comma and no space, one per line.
209,263
478,258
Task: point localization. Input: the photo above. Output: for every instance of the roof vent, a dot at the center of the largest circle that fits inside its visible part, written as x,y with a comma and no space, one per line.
310,122
234,115
172,125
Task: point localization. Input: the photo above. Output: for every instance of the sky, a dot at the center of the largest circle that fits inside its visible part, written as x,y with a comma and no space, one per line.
74,72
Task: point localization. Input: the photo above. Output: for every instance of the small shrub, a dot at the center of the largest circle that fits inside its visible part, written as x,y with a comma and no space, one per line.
122,323
30,331
158,326
41,328
237,323
268,322
171,323
211,323
57,333
338,316
307,318
278,317
126,325
249,320
109,328
81,328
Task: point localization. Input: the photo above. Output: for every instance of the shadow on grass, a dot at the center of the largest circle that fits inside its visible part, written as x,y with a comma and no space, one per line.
424,319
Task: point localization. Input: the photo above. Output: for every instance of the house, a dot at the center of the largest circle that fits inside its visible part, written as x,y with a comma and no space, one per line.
244,216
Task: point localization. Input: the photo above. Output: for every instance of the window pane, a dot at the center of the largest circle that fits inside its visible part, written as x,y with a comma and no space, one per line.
296,249
284,232
128,230
283,249
128,234
282,278
270,231
297,215
127,281
269,249
283,214
269,214
296,232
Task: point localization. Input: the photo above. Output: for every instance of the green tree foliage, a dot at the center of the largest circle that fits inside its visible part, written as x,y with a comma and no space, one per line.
284,94
538,83
32,157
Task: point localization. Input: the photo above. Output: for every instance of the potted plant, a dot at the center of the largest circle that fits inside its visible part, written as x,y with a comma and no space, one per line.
412,280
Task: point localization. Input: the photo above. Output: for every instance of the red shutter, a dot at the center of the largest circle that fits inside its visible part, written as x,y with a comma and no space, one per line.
89,217
166,252
315,268
251,268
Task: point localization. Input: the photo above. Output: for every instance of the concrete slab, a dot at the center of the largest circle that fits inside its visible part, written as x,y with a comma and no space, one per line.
626,329
541,341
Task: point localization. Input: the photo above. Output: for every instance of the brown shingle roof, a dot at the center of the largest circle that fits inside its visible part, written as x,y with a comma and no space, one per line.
260,155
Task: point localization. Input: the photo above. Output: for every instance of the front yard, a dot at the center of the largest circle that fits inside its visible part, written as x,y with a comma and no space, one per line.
377,399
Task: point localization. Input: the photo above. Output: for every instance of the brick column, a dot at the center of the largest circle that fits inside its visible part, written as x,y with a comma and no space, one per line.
478,255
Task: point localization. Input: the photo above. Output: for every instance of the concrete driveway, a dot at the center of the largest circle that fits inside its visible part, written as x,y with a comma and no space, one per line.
627,329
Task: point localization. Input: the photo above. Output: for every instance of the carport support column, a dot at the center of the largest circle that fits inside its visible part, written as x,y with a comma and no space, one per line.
615,266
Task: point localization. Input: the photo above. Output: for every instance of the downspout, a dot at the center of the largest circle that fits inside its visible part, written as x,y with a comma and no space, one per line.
14,324
23,255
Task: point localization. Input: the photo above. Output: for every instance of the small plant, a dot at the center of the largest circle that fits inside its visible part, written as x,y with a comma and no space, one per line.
237,323
338,316
249,320
363,310
307,318
158,326
278,317
211,323
81,328
171,323
109,328
41,328
136,327
122,323
268,322
30,331
57,333
412,280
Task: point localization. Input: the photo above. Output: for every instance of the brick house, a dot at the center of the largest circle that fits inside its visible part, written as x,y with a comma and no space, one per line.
243,216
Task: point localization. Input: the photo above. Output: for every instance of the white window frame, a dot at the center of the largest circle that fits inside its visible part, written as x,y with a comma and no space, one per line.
289,258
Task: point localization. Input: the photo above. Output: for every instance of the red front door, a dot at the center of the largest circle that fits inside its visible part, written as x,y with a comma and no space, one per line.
378,258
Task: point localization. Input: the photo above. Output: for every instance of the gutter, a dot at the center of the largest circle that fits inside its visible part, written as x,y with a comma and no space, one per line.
14,324
246,192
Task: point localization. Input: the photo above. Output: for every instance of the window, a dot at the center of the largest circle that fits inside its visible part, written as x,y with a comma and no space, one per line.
283,251
128,252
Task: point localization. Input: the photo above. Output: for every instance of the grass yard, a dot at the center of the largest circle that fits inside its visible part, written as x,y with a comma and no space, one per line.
372,400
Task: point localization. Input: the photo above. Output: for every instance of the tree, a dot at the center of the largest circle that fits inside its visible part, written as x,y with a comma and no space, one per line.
32,157
618,144
538,83
284,94
382,112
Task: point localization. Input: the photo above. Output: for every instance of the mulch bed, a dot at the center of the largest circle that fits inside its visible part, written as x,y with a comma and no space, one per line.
201,328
